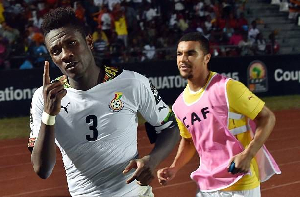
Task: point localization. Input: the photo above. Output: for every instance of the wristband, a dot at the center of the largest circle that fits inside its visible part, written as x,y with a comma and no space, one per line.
47,119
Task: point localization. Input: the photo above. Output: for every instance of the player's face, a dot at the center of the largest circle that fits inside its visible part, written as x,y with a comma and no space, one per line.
70,51
191,60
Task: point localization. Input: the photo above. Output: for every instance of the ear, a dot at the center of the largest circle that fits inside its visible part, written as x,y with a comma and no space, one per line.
89,41
207,58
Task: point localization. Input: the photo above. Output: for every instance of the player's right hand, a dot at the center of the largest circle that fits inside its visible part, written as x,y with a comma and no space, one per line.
165,175
52,92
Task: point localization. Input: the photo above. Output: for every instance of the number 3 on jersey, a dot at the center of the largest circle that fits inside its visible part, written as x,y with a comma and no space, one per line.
93,127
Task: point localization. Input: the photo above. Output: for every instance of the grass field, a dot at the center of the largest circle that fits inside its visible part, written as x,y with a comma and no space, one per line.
11,128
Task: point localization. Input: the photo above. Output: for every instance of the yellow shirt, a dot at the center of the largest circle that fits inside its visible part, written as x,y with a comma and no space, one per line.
2,19
241,100
96,35
121,27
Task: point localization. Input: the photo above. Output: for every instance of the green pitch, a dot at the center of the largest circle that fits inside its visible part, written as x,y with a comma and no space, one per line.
11,128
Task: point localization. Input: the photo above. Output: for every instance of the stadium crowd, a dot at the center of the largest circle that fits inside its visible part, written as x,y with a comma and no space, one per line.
132,30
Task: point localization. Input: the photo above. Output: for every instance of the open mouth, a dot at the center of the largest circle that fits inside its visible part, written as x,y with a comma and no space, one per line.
184,67
70,65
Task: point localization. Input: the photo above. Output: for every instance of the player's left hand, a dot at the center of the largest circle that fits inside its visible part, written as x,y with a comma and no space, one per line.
144,172
242,163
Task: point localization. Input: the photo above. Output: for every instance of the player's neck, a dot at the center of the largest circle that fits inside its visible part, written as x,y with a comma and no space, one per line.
90,79
198,82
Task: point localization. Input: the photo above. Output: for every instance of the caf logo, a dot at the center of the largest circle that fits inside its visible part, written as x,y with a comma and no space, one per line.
116,104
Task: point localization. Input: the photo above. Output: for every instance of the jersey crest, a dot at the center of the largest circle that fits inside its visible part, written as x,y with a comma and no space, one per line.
116,104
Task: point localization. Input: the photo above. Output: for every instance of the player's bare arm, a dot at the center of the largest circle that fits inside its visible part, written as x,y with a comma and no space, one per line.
265,121
185,153
145,166
43,156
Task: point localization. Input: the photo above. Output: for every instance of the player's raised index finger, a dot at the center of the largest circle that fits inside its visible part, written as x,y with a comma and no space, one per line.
46,77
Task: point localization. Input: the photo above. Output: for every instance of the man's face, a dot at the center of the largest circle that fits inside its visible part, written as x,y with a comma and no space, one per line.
70,51
191,60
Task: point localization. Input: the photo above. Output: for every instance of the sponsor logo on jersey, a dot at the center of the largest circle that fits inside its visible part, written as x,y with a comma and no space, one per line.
161,108
116,104
65,107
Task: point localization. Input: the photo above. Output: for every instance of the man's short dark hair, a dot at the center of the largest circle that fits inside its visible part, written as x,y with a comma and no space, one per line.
62,17
196,36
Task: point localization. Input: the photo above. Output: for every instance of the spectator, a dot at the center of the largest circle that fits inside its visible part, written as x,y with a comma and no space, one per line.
38,50
14,15
260,45
99,34
2,19
208,23
232,21
227,31
100,3
253,31
101,48
236,37
106,22
245,46
51,3
182,23
214,46
11,34
135,51
36,19
116,49
150,30
242,23
137,4
131,17
294,9
79,11
199,9
226,8
221,21
149,52
121,26
273,47
234,41
112,4
91,13
4,53
173,20
27,64
30,31
149,13
43,7
17,50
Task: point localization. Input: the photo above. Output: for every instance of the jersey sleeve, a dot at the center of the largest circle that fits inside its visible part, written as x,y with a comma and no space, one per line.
153,109
36,110
183,130
242,100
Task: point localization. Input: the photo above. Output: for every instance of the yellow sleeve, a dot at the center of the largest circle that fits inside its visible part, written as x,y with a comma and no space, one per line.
183,130
242,100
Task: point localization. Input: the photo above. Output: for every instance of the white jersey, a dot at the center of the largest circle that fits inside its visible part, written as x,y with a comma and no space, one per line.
96,132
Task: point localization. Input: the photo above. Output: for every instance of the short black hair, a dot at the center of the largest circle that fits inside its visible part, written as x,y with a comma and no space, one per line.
62,17
196,36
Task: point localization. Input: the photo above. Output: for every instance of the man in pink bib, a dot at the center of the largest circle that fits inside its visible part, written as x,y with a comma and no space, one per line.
224,122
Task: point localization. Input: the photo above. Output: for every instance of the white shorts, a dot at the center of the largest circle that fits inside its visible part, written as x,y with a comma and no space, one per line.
141,191
244,193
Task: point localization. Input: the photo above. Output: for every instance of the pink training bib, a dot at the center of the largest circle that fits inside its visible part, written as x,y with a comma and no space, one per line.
207,121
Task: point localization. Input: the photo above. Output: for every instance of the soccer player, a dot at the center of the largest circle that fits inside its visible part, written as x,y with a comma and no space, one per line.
91,115
216,117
